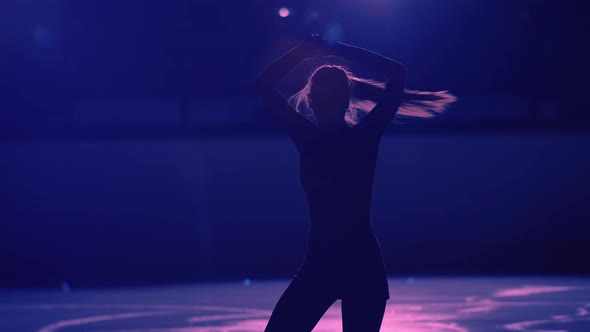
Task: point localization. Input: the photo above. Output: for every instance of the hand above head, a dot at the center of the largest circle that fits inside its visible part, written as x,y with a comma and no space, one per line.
314,46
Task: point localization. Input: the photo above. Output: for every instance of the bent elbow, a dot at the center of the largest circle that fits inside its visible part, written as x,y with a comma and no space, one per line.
403,71
399,72
398,76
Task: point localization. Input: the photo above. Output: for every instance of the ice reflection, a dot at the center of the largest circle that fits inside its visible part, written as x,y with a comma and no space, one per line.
578,322
531,290
427,305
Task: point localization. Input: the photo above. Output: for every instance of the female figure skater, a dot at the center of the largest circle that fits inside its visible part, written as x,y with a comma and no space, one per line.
338,155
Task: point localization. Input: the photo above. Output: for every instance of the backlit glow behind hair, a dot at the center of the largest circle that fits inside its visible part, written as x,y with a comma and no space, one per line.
415,103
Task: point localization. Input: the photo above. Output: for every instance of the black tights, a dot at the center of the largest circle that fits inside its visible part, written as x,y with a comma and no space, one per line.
300,308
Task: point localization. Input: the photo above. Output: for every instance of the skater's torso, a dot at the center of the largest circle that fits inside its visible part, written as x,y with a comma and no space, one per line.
337,173
337,176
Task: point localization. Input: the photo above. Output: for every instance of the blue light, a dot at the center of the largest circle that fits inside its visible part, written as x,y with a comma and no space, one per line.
65,287
44,37
333,33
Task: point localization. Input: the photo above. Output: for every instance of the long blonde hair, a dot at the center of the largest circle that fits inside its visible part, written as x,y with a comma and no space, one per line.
365,93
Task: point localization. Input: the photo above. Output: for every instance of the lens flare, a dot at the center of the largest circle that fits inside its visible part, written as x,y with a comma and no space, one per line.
284,12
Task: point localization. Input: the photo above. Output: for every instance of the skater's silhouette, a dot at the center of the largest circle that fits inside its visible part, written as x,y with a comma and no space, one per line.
336,121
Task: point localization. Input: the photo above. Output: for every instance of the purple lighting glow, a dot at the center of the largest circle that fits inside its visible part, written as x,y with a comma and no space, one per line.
427,305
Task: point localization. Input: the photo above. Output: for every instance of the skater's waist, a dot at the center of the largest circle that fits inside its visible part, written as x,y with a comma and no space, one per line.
352,211
341,236
344,250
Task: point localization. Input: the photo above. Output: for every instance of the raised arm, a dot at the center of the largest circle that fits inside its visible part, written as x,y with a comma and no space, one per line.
389,100
269,79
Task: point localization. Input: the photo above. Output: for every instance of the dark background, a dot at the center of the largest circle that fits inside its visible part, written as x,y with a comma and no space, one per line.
133,149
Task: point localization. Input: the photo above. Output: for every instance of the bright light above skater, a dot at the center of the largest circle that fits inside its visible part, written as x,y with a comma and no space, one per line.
284,12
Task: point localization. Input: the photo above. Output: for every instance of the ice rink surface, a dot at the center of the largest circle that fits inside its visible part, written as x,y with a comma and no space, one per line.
417,305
